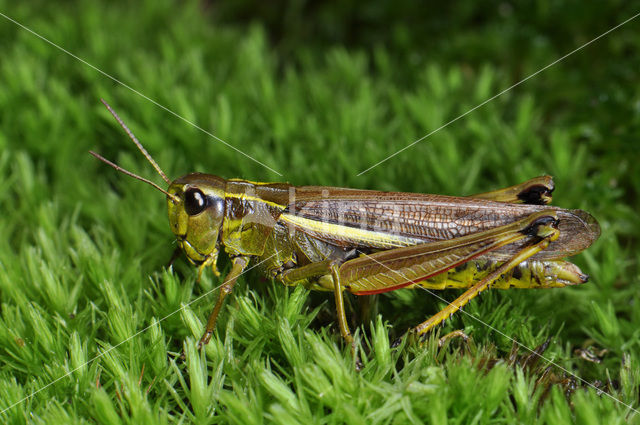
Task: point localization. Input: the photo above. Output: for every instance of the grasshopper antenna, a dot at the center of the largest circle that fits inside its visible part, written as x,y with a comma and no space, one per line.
138,144
174,198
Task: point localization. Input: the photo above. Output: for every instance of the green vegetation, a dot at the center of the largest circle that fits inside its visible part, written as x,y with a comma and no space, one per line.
319,93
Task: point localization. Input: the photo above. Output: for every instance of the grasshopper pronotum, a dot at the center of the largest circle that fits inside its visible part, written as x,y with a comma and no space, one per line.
369,242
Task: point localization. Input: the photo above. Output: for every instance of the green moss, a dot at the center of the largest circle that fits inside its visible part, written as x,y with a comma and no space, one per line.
82,249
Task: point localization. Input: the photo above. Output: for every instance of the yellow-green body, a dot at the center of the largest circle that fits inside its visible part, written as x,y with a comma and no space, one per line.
286,227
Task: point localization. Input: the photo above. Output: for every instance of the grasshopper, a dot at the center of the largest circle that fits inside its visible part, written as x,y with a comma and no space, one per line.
370,242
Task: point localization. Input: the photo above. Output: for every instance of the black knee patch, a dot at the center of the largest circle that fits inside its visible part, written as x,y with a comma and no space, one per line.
536,195
532,229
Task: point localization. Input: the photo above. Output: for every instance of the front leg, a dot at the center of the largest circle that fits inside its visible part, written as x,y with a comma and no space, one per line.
239,264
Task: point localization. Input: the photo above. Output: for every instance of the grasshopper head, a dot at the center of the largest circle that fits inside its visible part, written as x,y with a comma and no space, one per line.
196,211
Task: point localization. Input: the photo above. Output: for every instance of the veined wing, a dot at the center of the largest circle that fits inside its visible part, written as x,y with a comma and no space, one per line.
382,220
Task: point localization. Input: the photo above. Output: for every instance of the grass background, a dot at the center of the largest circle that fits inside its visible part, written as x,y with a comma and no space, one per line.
318,91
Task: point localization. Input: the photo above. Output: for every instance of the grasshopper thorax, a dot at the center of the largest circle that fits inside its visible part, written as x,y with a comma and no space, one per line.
196,211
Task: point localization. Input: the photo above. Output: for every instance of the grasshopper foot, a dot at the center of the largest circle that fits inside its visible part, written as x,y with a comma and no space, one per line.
358,363
445,340
397,342
349,339
206,337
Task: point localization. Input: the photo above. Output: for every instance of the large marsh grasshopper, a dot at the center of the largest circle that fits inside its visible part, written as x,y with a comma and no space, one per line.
369,242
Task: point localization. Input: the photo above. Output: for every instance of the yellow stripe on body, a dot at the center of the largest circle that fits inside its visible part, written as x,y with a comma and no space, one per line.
252,182
246,197
363,236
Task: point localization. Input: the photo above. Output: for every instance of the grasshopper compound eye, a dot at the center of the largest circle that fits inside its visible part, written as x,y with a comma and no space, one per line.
194,201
